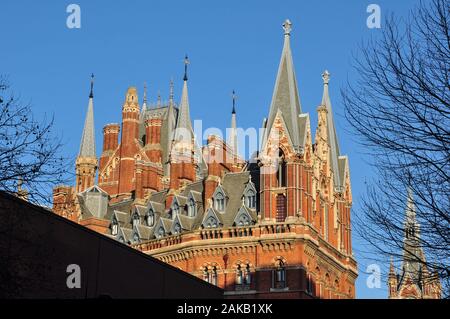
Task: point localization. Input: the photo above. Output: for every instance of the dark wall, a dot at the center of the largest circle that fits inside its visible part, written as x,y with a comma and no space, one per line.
36,246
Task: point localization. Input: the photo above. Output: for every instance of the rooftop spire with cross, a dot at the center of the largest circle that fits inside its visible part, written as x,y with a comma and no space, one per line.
91,94
145,93
326,77
186,62
234,97
287,26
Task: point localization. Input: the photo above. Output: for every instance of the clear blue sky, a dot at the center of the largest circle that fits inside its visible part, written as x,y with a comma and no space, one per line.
231,45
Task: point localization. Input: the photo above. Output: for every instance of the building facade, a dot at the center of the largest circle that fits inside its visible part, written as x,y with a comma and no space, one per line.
277,225
414,280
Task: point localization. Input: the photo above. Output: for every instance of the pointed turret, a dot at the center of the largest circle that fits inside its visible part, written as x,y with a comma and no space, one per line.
413,255
87,145
144,102
285,97
233,130
86,163
171,121
184,126
331,132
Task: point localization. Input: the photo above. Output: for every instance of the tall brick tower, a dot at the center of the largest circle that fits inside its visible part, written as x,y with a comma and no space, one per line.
129,141
86,163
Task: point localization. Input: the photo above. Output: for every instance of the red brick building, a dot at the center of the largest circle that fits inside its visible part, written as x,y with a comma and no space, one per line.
275,226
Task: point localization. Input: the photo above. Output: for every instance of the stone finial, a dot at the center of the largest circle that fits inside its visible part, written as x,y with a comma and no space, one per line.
326,77
287,26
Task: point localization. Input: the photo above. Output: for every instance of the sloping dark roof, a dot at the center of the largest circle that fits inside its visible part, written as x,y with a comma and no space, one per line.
44,245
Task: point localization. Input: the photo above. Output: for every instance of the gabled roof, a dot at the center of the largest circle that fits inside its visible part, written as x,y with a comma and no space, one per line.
244,210
121,217
211,212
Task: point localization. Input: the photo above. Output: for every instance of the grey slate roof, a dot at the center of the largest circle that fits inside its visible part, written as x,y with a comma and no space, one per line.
87,145
285,97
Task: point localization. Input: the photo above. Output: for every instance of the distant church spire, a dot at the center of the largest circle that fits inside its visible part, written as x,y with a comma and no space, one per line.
87,145
285,98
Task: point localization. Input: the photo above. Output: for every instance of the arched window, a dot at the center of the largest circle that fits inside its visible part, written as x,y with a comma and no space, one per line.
205,274
250,199
243,277
239,275
281,173
213,276
279,275
219,202
309,283
210,275
191,208
248,275
150,218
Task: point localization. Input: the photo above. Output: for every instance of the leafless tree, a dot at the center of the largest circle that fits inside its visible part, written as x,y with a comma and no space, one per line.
399,108
29,152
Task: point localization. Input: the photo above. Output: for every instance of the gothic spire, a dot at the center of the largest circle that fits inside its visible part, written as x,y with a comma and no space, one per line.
412,250
331,133
144,101
184,120
87,146
285,96
233,134
171,92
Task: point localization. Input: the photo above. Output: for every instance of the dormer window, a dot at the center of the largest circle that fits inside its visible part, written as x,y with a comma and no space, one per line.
177,229
135,238
243,220
136,220
211,222
175,209
150,218
219,202
114,227
191,208
161,232
250,199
